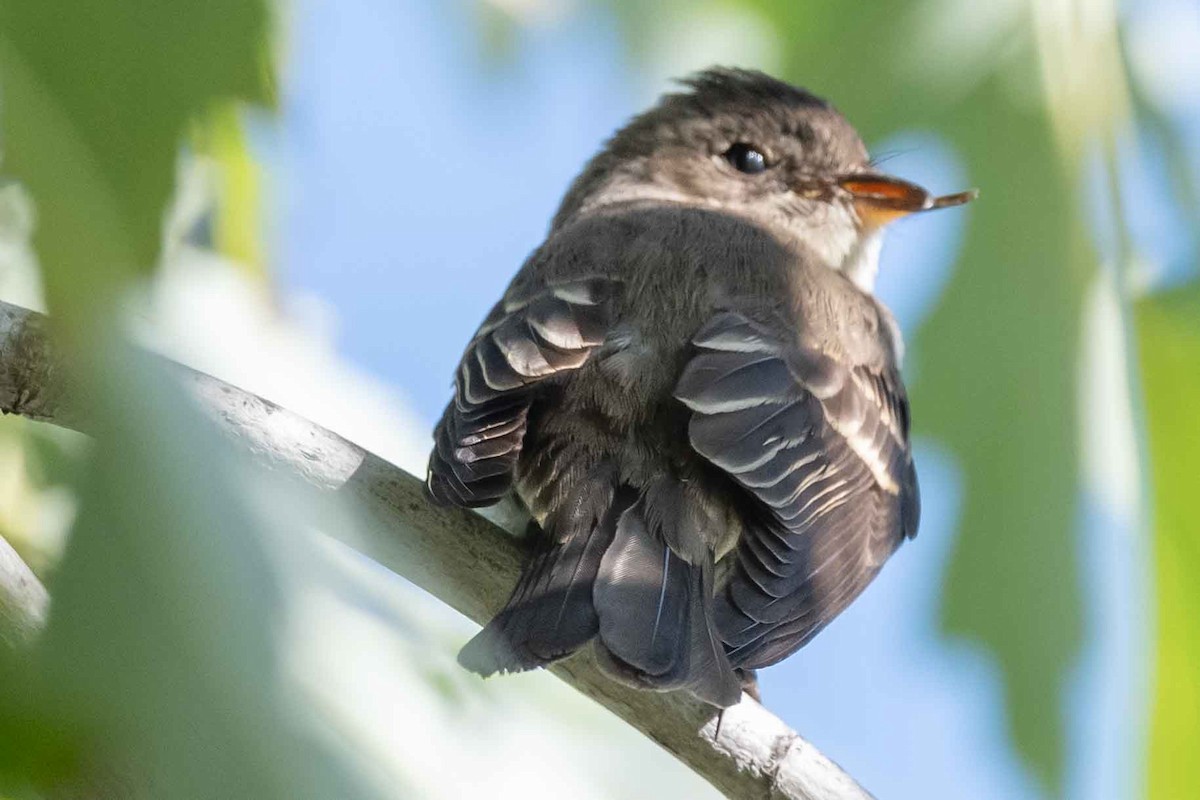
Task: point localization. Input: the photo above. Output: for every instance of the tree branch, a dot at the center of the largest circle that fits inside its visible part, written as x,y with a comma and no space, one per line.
459,557
23,599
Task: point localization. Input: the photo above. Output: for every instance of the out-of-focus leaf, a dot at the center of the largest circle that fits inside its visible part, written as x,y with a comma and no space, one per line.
997,361
159,668
160,656
236,232
95,97
1168,328
497,31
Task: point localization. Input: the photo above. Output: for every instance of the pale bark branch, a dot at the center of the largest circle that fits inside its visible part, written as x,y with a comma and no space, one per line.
464,560
23,599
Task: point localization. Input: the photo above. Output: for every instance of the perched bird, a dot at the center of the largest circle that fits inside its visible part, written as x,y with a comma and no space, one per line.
693,391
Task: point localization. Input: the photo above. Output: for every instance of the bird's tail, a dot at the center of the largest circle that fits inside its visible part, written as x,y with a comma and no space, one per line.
612,571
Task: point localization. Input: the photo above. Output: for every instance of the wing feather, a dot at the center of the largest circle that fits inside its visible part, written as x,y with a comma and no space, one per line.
530,337
821,448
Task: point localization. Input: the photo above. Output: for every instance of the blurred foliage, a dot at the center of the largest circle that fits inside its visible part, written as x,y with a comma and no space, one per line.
997,359
497,30
158,674
1169,336
96,97
237,227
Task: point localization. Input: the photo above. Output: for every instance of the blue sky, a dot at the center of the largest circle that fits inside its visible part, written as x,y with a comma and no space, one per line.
415,176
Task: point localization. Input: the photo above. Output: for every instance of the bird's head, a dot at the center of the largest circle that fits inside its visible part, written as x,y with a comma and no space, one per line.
745,143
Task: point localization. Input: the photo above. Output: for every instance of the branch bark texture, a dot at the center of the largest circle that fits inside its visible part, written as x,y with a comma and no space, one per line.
461,558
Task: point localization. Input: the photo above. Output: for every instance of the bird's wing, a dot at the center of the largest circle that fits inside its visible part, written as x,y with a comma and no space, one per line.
535,334
821,446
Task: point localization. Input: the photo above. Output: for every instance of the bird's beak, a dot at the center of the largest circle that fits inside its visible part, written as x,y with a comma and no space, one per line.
880,199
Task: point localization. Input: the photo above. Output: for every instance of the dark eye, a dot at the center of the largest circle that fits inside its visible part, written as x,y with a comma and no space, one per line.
746,158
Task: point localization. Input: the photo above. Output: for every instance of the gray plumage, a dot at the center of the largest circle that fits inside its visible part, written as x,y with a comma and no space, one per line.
691,388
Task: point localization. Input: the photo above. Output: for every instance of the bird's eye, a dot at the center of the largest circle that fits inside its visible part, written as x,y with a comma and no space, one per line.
746,158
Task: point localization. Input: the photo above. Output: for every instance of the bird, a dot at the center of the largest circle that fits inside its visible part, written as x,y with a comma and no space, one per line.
694,393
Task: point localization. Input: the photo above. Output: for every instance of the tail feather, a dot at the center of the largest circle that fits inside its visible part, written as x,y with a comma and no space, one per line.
712,677
550,613
500,646
608,573
642,595
655,609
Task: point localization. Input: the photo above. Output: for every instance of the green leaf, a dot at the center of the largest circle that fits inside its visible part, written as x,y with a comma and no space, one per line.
159,674
96,95
1168,328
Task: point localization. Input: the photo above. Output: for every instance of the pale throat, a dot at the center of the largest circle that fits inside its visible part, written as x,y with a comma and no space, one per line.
862,263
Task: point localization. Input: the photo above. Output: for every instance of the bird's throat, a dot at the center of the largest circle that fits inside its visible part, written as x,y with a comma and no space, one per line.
861,264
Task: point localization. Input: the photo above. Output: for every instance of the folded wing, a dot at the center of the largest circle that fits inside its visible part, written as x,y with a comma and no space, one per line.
820,446
531,337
